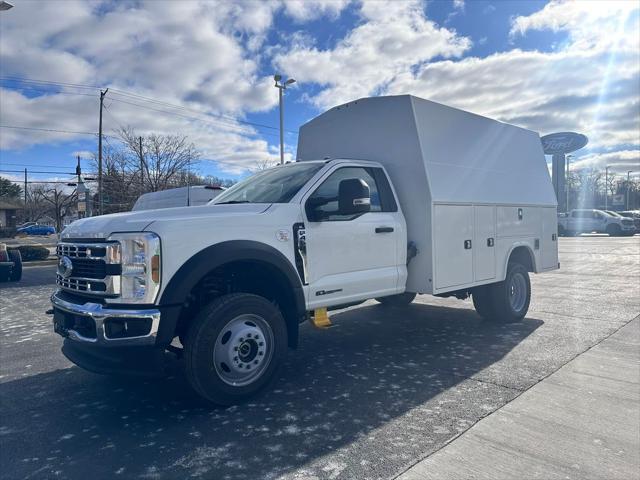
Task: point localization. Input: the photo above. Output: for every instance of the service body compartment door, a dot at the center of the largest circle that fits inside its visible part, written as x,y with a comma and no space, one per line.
484,239
453,245
549,238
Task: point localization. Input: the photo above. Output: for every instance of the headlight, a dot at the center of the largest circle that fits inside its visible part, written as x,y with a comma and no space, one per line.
140,258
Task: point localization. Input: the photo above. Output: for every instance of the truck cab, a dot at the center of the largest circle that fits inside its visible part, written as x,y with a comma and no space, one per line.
227,284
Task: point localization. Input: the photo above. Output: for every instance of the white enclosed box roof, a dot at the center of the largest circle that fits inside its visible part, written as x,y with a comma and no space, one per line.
434,154
463,157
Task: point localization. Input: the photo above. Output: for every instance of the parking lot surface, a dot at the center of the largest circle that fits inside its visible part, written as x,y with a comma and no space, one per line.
367,399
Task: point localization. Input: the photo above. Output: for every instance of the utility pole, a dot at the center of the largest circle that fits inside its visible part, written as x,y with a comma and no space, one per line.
100,197
141,166
566,183
606,188
628,186
25,192
282,86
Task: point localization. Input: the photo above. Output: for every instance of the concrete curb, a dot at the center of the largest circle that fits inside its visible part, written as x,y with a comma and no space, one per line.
40,263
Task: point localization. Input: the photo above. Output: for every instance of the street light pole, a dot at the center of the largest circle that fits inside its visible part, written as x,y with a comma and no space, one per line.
628,186
282,86
606,188
566,183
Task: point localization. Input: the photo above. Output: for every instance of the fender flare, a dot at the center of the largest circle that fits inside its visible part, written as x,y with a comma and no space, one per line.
210,258
529,251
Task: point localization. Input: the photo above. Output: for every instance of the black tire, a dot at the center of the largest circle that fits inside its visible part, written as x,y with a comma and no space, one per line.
482,301
16,271
205,343
561,231
505,306
614,230
399,300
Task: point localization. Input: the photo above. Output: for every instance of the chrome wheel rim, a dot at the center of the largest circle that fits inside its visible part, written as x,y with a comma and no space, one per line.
243,350
517,292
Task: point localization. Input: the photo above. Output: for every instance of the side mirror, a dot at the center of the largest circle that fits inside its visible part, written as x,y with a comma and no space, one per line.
353,197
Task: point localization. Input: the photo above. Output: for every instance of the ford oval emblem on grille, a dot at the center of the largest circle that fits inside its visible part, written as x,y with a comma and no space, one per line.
65,267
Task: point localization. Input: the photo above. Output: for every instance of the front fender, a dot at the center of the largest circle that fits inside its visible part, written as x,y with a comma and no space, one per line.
210,258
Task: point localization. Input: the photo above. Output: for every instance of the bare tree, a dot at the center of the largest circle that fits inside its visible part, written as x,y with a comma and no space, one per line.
163,160
137,165
58,199
263,164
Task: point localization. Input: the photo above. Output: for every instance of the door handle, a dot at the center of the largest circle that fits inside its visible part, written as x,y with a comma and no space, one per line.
490,242
467,244
384,229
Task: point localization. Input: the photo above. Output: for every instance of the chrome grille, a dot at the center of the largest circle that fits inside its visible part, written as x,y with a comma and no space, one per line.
95,268
89,268
73,283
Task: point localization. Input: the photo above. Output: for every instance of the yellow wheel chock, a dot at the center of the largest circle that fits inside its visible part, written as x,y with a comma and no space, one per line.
320,319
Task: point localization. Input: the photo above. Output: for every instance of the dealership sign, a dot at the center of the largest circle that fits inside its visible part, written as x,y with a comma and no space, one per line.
563,142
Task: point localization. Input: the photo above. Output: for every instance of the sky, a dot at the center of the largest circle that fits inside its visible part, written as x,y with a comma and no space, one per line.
204,69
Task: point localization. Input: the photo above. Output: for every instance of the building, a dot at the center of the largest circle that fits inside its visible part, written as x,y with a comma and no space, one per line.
9,212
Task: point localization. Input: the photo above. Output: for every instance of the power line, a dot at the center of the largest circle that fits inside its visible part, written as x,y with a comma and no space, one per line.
141,98
20,127
36,171
40,165
47,82
191,117
33,89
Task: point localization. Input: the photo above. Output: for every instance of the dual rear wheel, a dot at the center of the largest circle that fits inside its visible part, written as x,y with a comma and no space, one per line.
507,301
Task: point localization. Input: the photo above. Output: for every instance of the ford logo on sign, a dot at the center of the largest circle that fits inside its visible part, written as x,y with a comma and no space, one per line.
563,142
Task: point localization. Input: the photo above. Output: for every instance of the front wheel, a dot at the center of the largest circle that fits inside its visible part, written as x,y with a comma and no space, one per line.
614,230
234,347
399,300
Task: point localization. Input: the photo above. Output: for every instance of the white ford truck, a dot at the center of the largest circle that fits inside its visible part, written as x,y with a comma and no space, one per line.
580,221
389,197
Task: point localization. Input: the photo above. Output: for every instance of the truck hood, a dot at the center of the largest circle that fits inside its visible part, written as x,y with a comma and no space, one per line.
105,225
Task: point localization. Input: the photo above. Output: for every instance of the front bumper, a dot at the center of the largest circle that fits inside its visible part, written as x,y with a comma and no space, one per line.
92,323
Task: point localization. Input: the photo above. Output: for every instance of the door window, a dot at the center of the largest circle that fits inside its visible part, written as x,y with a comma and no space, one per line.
325,199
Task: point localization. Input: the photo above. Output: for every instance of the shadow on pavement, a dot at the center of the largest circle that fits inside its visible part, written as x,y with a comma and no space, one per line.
338,387
33,276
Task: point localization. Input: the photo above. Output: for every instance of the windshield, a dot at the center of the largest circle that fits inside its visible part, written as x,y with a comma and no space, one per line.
275,185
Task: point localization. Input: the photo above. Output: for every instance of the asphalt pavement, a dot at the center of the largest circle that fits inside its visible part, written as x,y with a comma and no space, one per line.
370,398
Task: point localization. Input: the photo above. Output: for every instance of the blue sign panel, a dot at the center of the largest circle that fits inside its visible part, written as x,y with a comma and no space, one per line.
563,142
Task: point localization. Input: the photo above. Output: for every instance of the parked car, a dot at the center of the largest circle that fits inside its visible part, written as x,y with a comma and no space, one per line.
390,197
37,230
633,215
599,221
25,225
10,264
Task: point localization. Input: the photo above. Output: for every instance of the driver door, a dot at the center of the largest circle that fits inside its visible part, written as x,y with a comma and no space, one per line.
352,257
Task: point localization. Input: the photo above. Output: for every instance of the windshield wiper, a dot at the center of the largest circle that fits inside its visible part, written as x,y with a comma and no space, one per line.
232,202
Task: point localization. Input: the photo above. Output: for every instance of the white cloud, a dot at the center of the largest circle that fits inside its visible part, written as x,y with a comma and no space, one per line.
211,57
305,10
621,161
197,54
392,38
